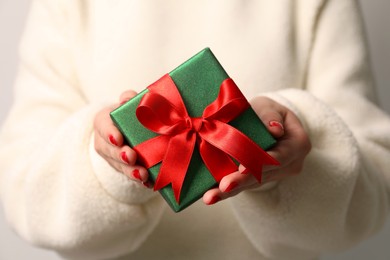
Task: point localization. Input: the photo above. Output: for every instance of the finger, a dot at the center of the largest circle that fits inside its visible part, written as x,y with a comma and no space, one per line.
229,186
235,182
123,155
285,151
266,176
126,96
136,173
106,129
295,167
281,153
127,155
275,175
113,153
213,196
271,114
148,184
273,120
298,133
126,158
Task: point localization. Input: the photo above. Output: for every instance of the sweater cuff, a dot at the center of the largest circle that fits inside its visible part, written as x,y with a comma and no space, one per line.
116,184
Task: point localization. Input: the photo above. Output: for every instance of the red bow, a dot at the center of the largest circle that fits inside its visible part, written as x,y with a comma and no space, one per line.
162,111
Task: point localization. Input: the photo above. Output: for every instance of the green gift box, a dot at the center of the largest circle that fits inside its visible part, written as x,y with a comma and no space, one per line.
198,82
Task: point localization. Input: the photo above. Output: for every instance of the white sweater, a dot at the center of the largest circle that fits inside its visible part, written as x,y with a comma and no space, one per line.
79,55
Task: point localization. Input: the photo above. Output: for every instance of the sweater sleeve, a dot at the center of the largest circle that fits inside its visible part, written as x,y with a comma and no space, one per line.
342,195
57,192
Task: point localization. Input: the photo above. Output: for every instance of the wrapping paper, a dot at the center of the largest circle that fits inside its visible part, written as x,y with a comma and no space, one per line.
198,81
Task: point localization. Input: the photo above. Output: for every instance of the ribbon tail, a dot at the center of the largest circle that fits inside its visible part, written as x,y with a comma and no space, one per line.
173,171
229,104
264,159
214,158
152,151
238,146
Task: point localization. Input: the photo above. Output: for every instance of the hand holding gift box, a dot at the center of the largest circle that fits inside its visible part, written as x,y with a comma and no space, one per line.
191,128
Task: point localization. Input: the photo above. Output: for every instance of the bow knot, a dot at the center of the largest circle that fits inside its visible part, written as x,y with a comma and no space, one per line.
162,111
195,123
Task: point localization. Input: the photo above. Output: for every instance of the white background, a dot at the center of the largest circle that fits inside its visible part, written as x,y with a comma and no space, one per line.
12,18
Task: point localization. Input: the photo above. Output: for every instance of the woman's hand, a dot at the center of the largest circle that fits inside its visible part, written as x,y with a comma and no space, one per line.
292,146
109,144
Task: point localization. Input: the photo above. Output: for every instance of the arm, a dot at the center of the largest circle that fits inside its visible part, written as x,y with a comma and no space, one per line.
342,194
57,192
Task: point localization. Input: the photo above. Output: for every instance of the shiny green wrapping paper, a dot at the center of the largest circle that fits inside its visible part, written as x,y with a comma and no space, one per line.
198,81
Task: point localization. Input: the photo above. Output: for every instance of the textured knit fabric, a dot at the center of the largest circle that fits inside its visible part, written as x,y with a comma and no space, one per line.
77,56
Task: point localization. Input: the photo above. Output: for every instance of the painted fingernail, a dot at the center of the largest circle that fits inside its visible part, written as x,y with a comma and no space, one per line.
136,174
231,186
276,124
146,184
112,140
125,158
214,200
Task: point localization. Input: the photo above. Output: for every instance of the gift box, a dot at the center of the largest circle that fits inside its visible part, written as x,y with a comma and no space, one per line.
191,128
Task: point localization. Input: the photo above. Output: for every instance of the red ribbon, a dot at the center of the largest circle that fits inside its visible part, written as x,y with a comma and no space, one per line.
163,111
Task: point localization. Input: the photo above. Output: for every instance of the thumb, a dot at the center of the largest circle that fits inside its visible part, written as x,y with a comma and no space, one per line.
126,96
273,120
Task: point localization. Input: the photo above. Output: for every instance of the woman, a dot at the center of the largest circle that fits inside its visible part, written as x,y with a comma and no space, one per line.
65,171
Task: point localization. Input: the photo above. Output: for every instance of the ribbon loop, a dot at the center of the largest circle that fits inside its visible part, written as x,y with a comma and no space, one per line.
159,115
162,111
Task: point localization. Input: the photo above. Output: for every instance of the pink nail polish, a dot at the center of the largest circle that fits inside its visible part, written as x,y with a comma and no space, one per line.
125,158
214,200
231,186
136,174
276,124
112,140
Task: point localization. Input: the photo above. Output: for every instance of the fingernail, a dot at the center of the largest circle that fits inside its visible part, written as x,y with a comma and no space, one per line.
112,140
231,186
125,158
277,124
146,184
137,175
214,200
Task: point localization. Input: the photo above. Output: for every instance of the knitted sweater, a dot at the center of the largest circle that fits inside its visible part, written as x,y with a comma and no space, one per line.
78,56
